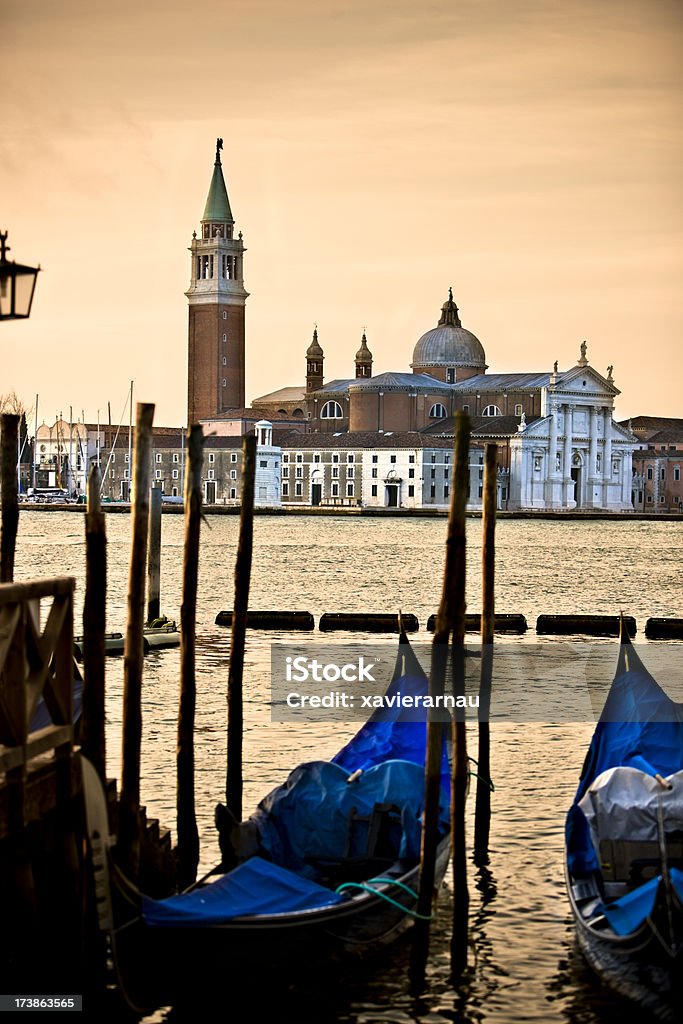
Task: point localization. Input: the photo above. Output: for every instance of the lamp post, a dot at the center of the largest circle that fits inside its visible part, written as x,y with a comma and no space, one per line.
17,285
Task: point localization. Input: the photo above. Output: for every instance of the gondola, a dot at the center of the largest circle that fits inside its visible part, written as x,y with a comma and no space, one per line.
624,842
326,867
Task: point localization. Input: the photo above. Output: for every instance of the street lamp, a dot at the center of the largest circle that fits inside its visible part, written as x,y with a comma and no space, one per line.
17,285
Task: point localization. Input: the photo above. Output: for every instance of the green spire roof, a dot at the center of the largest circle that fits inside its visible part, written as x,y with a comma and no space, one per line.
217,203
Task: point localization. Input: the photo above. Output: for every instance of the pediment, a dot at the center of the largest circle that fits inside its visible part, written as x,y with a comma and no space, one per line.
573,380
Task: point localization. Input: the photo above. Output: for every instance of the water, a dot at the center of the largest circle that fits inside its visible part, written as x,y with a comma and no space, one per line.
523,961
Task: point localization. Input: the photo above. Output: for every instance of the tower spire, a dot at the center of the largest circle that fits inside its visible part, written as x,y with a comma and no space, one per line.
217,209
364,359
314,363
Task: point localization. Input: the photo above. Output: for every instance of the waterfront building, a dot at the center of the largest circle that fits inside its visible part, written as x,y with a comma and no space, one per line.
402,470
657,463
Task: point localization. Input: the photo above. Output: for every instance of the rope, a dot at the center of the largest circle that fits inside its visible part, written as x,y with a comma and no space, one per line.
487,782
366,887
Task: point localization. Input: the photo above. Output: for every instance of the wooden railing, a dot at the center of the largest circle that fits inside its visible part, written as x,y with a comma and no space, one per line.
35,662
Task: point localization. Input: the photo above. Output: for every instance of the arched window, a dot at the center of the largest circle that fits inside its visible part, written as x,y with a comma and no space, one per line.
331,411
492,410
437,412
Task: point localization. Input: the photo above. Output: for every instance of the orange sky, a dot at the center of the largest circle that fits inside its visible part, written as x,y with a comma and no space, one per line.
528,152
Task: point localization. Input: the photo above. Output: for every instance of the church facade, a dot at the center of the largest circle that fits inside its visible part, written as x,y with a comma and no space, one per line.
558,444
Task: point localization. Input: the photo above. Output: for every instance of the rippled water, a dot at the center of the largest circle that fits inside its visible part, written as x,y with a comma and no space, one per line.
523,962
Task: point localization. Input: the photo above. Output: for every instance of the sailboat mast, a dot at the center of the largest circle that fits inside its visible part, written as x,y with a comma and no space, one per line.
70,474
130,441
35,446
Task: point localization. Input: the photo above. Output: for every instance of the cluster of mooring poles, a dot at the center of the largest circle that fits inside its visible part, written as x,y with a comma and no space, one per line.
31,664
448,650
145,514
449,646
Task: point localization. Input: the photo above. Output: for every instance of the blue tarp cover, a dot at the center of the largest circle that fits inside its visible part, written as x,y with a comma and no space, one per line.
308,819
640,727
627,914
255,887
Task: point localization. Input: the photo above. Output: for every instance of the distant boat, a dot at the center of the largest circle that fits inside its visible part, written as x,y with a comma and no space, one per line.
625,842
328,865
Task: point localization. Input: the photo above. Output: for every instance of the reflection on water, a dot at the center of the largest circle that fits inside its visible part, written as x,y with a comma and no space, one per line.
523,964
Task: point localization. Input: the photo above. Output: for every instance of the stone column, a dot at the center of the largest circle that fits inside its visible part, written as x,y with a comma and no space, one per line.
553,439
551,474
627,479
567,459
607,457
592,475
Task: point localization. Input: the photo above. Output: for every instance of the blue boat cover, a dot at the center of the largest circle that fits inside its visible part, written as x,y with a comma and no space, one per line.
255,887
316,817
641,727
310,819
628,913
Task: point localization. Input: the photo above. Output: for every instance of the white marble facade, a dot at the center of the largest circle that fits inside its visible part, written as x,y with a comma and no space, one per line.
268,467
575,456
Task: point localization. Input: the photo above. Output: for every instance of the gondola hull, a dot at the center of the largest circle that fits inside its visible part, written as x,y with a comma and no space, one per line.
292,945
638,967
623,866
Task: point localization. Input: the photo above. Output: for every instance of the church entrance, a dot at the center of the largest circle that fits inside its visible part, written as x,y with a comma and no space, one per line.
576,477
392,495
316,494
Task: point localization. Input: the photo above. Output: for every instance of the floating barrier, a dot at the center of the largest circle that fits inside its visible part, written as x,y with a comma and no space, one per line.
271,620
590,625
664,629
503,623
367,622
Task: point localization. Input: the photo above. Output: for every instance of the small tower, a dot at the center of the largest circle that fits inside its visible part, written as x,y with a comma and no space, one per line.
314,364
364,359
217,298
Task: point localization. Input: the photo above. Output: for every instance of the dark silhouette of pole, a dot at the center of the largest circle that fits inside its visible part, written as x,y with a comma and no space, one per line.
446,622
482,815
188,836
94,616
154,557
233,782
10,505
460,771
129,811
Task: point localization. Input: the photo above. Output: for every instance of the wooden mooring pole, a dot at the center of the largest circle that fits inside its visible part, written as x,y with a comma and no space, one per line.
482,815
450,620
460,771
436,726
154,556
188,836
233,781
129,810
10,506
94,620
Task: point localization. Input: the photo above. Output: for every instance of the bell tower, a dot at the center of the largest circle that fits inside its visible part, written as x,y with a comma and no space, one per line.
217,298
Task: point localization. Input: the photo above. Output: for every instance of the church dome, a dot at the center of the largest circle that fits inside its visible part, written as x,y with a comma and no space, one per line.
449,344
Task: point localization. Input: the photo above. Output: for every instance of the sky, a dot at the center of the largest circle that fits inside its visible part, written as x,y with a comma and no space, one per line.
525,152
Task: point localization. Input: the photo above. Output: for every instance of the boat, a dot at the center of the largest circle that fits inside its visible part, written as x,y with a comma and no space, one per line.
326,867
624,842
